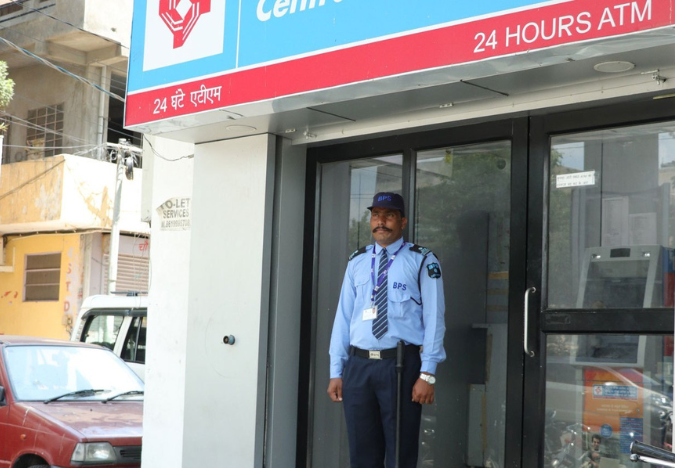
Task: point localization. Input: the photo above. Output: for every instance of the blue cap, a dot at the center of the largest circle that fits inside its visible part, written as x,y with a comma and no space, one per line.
389,200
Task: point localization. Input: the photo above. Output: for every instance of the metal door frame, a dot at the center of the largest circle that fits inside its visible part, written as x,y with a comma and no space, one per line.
516,130
544,321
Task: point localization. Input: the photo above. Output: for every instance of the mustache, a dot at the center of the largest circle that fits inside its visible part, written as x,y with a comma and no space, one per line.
382,228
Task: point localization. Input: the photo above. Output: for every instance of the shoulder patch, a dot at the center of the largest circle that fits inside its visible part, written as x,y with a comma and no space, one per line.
434,270
420,250
356,253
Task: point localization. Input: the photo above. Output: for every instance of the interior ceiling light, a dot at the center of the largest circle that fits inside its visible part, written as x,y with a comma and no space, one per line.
240,128
614,67
665,96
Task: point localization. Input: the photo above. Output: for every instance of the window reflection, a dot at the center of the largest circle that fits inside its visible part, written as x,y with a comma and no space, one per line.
603,392
611,218
463,214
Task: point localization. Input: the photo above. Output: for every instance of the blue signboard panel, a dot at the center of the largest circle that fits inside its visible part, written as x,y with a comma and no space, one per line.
255,32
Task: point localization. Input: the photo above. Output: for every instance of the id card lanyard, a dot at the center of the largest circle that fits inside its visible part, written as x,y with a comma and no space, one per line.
380,279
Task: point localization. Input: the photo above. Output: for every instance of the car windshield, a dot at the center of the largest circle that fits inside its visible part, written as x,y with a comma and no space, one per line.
44,372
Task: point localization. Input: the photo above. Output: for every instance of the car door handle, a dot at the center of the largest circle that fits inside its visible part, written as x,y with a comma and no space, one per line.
526,346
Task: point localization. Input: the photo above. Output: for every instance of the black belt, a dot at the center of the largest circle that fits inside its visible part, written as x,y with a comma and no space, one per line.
381,353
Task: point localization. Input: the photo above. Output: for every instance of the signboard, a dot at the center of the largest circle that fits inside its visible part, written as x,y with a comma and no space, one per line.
190,56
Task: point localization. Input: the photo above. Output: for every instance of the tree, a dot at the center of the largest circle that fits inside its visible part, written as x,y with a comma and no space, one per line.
6,90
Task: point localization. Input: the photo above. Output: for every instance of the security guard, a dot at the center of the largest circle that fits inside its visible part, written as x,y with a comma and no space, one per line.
392,291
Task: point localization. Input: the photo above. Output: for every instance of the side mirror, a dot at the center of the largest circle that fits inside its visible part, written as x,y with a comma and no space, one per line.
2,396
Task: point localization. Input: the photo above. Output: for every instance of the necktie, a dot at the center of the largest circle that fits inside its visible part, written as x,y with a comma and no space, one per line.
380,323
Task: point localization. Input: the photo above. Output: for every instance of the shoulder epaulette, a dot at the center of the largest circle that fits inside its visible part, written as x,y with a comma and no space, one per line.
356,253
420,250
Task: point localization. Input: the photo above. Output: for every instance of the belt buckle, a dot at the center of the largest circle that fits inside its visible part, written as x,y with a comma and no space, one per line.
374,355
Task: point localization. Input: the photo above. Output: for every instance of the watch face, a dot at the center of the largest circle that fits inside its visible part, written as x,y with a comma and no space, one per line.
430,379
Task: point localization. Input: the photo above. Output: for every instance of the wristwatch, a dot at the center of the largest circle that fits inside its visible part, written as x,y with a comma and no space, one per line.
430,379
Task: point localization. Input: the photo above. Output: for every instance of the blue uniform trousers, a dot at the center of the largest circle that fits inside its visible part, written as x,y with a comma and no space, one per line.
369,400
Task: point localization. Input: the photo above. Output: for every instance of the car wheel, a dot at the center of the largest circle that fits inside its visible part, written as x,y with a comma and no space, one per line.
38,466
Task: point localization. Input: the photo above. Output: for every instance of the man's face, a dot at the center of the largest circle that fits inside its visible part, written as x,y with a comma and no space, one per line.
595,444
387,225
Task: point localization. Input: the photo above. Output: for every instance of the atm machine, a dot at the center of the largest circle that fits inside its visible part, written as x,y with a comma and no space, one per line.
628,277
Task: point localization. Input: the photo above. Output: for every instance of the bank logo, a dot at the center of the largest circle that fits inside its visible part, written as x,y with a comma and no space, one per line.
180,16
181,31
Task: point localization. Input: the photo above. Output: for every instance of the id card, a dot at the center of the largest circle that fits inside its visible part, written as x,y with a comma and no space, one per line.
370,314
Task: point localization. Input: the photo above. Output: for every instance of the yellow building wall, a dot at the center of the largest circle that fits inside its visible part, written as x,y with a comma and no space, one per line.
32,191
51,319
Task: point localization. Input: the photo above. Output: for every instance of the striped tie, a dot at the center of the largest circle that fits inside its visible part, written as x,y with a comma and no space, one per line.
380,323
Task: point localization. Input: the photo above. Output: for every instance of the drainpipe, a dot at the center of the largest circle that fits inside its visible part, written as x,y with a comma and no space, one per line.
100,140
6,268
2,141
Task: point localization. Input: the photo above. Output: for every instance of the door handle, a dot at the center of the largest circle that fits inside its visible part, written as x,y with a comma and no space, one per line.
526,314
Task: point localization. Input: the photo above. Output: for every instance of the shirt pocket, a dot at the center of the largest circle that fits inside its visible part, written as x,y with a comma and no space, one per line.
363,289
401,302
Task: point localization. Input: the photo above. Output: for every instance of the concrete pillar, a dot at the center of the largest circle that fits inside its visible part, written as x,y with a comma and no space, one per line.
167,174
229,291
236,271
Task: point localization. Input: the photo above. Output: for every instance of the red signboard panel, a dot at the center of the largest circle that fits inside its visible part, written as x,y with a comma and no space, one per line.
514,33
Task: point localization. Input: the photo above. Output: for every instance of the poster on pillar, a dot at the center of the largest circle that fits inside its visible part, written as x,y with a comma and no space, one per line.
194,56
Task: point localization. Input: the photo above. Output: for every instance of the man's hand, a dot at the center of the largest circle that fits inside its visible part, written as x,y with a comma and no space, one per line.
335,389
423,393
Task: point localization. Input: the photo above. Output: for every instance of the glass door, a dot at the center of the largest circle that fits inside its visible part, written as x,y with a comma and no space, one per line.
462,197
605,284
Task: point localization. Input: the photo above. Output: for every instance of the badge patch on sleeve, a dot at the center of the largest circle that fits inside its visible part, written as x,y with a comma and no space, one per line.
434,270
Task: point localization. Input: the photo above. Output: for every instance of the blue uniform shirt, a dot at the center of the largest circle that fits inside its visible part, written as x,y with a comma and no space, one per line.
416,311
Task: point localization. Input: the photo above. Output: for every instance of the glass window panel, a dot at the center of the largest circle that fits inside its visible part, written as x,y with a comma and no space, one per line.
36,262
611,388
611,218
103,330
42,293
463,215
134,345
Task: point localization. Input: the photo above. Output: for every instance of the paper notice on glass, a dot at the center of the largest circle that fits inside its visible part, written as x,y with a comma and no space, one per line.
576,179
642,228
615,224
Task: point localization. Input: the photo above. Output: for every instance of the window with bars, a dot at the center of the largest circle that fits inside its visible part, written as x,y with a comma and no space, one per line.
42,277
44,136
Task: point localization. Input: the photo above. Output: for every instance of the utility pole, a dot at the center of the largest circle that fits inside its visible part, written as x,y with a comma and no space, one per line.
125,167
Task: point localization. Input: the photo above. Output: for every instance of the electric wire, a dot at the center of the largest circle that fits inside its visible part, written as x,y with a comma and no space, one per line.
59,69
113,79
31,180
152,148
73,26
126,134
31,125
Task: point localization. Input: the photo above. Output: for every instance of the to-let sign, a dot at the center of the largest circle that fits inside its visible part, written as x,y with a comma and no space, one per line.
175,214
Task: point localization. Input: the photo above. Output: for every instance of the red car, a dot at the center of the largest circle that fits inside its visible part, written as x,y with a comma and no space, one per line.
66,404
